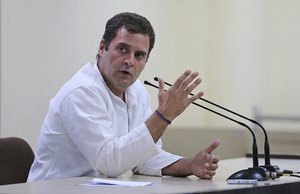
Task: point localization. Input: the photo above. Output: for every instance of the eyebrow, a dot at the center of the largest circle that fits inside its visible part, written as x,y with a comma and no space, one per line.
122,44
128,46
141,52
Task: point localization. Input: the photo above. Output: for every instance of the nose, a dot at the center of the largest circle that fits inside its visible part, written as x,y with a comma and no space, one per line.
129,61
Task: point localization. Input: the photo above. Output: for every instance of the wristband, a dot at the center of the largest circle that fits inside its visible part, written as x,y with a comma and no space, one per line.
162,117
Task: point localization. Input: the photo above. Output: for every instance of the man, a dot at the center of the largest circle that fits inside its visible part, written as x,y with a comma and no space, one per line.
100,122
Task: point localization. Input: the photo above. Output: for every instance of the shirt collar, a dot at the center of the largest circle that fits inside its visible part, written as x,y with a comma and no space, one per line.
130,94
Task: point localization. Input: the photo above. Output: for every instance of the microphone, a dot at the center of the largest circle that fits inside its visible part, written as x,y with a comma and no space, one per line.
256,172
268,166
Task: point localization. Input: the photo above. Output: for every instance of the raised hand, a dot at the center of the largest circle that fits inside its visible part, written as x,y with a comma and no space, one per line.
176,99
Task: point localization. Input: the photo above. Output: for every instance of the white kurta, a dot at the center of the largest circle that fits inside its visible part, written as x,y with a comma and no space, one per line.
89,131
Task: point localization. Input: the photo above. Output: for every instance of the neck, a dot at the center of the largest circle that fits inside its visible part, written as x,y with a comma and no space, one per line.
120,94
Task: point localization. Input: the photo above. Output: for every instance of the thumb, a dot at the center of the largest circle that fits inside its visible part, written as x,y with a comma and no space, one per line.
213,146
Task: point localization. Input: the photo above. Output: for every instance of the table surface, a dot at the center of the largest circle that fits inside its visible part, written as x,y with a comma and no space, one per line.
165,184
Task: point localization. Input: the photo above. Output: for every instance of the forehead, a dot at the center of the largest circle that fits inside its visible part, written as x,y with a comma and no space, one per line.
135,40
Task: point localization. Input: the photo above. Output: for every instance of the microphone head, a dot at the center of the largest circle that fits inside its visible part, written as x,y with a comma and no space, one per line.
150,84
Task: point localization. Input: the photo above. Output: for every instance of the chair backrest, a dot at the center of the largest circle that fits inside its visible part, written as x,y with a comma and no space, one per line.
16,157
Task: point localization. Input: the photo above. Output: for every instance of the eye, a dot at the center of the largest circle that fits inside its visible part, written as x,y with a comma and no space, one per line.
122,49
141,56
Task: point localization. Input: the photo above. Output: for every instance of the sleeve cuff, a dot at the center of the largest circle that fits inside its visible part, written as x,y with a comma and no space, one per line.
155,165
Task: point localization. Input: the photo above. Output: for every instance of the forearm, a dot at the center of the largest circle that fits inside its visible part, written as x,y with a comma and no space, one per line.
202,165
181,168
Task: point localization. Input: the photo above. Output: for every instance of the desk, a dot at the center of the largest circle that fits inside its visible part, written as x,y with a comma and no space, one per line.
167,184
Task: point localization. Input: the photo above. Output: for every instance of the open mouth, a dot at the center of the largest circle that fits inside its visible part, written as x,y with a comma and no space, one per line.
125,72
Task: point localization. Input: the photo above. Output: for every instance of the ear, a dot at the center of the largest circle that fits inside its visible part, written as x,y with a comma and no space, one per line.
101,47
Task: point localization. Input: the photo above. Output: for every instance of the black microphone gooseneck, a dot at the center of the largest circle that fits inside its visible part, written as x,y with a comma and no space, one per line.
256,172
267,165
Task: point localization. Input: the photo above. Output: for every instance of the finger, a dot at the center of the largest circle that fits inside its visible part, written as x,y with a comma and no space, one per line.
187,81
161,86
207,176
213,166
211,173
181,79
206,165
191,87
212,158
197,96
215,159
212,146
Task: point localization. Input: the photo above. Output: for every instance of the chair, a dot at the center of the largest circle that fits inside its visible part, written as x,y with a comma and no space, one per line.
16,157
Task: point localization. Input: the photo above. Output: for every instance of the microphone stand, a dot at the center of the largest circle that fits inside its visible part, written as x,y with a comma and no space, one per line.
255,172
267,166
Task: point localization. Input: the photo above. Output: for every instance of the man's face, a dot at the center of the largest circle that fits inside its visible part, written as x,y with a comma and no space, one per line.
124,60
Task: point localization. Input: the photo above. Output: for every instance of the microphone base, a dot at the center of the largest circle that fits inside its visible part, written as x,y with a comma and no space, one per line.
272,171
256,173
271,168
